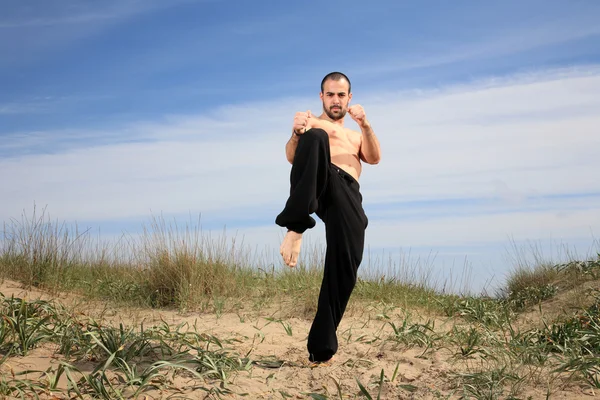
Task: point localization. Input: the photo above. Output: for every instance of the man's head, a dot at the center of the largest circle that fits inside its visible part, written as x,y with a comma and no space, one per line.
335,94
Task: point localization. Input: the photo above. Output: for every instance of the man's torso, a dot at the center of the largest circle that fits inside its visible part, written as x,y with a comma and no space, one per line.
344,146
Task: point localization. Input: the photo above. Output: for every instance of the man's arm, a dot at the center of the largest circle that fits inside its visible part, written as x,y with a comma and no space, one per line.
300,126
290,147
370,151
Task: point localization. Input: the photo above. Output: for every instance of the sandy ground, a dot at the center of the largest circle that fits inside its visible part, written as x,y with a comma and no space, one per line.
419,376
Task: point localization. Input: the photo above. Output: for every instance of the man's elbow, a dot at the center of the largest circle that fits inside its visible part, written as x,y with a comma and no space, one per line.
370,158
374,160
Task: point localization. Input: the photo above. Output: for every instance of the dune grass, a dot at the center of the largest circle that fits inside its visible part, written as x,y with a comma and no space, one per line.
181,267
495,352
128,361
491,358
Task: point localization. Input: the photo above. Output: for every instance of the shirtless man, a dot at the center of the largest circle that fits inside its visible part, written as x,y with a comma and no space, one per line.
326,165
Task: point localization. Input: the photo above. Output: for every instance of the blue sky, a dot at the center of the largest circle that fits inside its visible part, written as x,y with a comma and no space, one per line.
487,115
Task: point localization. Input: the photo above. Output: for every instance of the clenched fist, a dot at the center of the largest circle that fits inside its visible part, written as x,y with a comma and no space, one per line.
301,121
358,114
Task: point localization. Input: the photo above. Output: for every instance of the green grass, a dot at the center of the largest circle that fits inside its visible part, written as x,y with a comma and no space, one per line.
494,353
127,361
181,267
493,361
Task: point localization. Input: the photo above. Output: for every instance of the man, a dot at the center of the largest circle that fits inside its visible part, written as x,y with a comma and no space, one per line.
326,165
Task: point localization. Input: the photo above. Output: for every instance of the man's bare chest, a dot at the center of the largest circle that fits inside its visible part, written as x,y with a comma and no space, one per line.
343,140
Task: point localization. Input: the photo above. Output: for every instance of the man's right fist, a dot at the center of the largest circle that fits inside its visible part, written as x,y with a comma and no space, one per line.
301,121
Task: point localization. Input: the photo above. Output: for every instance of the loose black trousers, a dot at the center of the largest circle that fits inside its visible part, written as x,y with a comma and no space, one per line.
318,186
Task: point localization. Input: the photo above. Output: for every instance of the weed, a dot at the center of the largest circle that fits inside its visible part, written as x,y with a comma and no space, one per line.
469,342
26,324
287,327
487,311
488,384
412,334
366,393
19,388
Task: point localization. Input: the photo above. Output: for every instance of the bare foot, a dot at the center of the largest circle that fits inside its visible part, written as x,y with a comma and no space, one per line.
290,248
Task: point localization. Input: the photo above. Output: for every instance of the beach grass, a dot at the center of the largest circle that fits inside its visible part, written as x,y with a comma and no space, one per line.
541,329
180,267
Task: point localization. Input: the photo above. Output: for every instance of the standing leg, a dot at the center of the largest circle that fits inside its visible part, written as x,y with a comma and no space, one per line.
345,224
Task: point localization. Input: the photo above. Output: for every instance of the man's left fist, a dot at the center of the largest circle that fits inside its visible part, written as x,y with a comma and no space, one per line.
358,114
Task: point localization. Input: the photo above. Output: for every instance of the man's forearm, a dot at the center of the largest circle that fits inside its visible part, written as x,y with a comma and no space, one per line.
290,148
370,145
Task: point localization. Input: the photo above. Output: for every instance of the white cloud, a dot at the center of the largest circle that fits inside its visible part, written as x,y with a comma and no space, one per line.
485,229
53,25
52,13
532,138
19,108
497,42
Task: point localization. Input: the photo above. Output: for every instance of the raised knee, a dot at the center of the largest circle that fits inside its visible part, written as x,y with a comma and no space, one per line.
316,133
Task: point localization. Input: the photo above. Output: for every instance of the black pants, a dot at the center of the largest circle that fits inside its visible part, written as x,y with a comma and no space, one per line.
318,186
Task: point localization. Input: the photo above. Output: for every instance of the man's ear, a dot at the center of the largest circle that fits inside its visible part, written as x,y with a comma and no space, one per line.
349,97
321,95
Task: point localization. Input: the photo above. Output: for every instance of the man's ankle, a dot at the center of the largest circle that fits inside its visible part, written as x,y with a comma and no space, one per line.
294,233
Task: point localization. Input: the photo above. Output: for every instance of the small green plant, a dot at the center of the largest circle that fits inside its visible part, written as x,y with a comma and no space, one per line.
586,367
287,327
589,268
531,295
366,393
469,342
490,384
487,311
26,323
19,388
125,344
410,334
528,285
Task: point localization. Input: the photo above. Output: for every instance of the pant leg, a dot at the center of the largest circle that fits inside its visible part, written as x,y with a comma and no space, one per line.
308,181
345,224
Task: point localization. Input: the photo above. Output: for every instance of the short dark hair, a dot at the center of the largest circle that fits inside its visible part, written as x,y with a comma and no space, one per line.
336,76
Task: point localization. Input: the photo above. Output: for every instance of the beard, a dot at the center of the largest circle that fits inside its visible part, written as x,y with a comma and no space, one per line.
335,113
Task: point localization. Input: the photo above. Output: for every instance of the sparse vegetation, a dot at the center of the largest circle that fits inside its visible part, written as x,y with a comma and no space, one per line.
494,347
172,266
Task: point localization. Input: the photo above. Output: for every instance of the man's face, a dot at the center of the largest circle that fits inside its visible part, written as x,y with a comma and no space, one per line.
335,98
